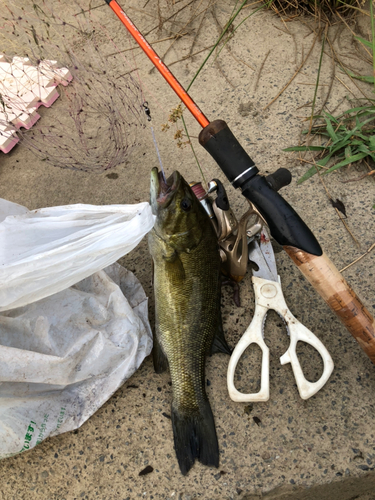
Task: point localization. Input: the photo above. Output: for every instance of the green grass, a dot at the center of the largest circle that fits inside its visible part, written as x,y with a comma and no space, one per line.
350,139
350,136
327,8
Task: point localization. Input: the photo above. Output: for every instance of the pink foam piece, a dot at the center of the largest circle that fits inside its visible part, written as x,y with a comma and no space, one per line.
9,144
24,88
26,120
8,138
50,101
48,96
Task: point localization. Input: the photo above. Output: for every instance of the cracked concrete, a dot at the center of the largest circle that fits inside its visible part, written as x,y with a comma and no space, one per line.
287,448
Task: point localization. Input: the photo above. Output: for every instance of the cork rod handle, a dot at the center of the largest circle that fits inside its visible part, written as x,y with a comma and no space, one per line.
330,284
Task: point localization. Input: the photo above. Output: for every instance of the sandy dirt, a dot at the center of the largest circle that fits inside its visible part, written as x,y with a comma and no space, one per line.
287,447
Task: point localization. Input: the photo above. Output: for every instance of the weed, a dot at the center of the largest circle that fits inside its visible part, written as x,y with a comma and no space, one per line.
350,139
324,9
350,136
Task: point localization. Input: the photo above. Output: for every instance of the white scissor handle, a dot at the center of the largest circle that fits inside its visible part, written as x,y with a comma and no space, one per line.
269,295
253,335
299,332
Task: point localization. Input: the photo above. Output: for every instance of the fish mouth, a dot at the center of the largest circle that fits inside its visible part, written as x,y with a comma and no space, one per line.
163,190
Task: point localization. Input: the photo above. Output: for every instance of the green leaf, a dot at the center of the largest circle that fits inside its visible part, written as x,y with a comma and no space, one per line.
352,159
363,112
367,121
361,136
317,132
372,37
323,162
335,148
305,148
317,79
365,42
363,149
332,118
363,78
330,130
372,142
354,142
312,171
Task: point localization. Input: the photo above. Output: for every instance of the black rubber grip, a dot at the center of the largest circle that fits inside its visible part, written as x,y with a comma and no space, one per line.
279,179
286,226
228,153
221,199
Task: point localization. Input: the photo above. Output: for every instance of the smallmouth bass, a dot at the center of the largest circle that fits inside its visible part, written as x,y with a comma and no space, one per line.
186,261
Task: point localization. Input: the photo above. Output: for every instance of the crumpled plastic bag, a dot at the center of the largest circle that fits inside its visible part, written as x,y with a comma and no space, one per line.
47,250
64,351
65,355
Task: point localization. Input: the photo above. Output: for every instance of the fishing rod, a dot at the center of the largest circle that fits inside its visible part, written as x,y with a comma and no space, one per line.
286,227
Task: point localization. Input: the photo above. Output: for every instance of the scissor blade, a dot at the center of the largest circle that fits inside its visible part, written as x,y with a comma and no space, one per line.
261,253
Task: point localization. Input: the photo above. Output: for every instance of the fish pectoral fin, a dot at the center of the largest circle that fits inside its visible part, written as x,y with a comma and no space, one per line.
159,358
169,254
219,344
195,437
174,267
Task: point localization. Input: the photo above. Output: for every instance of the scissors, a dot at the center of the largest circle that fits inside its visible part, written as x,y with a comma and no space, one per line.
269,295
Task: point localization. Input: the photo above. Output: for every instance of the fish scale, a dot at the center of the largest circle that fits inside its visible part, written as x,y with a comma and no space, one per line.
178,328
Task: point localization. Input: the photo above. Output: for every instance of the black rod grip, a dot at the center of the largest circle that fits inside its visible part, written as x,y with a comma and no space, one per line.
228,153
286,226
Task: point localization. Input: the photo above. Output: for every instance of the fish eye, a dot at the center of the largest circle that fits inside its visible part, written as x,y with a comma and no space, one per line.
185,204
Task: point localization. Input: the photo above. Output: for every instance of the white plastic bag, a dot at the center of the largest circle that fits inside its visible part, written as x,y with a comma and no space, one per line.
47,250
65,355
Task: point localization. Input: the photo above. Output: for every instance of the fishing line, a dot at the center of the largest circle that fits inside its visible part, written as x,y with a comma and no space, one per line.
139,78
148,114
141,86
157,151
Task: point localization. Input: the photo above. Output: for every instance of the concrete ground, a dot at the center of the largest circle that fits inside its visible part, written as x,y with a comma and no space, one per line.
287,448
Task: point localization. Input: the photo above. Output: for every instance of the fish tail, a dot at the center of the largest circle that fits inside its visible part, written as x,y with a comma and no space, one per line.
195,437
